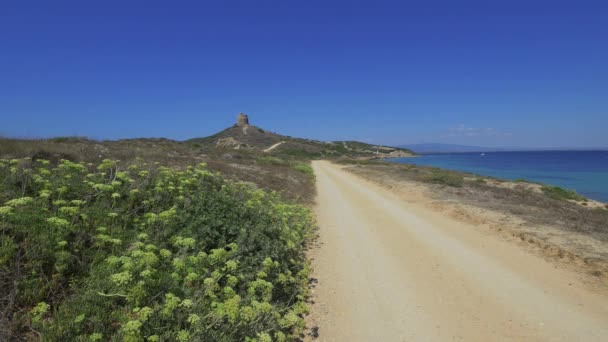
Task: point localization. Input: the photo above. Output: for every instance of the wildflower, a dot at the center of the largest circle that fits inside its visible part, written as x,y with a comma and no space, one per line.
5,210
59,203
149,258
132,327
45,193
79,318
184,335
231,265
145,273
113,260
19,201
121,278
171,303
94,337
194,318
289,320
62,190
231,280
44,172
115,195
179,263
165,253
69,210
102,187
267,263
186,303
144,313
58,222
192,276
183,242
264,337
39,310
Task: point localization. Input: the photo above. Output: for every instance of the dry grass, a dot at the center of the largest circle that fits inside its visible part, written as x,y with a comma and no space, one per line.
539,208
243,165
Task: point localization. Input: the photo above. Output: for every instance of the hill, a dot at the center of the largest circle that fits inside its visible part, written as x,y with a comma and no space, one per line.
244,136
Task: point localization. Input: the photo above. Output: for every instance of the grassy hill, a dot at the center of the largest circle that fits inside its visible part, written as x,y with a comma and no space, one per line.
249,137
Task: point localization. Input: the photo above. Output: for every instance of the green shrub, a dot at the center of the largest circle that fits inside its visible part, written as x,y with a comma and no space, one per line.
558,193
439,176
272,160
304,167
134,252
299,154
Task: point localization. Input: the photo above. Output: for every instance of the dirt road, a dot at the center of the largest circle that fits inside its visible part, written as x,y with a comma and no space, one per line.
393,271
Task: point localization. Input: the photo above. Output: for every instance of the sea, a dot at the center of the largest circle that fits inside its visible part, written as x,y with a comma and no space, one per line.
586,172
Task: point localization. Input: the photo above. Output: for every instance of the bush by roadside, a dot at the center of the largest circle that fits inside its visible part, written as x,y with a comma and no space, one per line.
138,251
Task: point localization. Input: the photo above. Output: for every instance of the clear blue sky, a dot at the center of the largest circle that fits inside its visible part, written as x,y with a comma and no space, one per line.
494,73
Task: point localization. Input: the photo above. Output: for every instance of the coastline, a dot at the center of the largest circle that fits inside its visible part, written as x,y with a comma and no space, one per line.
585,171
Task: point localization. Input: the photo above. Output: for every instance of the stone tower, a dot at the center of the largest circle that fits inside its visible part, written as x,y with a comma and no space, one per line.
242,120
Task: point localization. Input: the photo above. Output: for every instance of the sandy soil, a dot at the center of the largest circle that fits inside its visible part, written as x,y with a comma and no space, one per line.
274,146
390,270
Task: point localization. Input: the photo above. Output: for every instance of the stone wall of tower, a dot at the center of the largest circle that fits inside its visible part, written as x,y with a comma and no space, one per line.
242,120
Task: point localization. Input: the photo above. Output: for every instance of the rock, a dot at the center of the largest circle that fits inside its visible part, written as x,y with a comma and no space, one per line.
242,120
230,142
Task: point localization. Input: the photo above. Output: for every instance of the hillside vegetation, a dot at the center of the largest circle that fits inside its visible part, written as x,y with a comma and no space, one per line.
256,139
136,251
159,240
235,164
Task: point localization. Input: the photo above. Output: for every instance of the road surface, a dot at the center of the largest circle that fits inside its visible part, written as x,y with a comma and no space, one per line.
392,271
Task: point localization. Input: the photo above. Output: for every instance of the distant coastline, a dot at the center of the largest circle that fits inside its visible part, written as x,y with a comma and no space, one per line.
436,148
585,171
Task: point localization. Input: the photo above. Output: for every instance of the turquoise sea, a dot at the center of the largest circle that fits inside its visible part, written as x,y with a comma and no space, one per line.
583,171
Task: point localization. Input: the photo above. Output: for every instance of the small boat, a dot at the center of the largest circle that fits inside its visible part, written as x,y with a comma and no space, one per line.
483,154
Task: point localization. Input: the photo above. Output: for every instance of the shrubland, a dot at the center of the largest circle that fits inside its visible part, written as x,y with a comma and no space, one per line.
139,251
558,193
268,171
537,204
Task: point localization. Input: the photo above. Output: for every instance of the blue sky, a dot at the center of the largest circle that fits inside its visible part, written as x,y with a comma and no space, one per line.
494,73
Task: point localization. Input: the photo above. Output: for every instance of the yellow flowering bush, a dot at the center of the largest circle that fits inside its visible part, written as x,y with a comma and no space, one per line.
145,252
